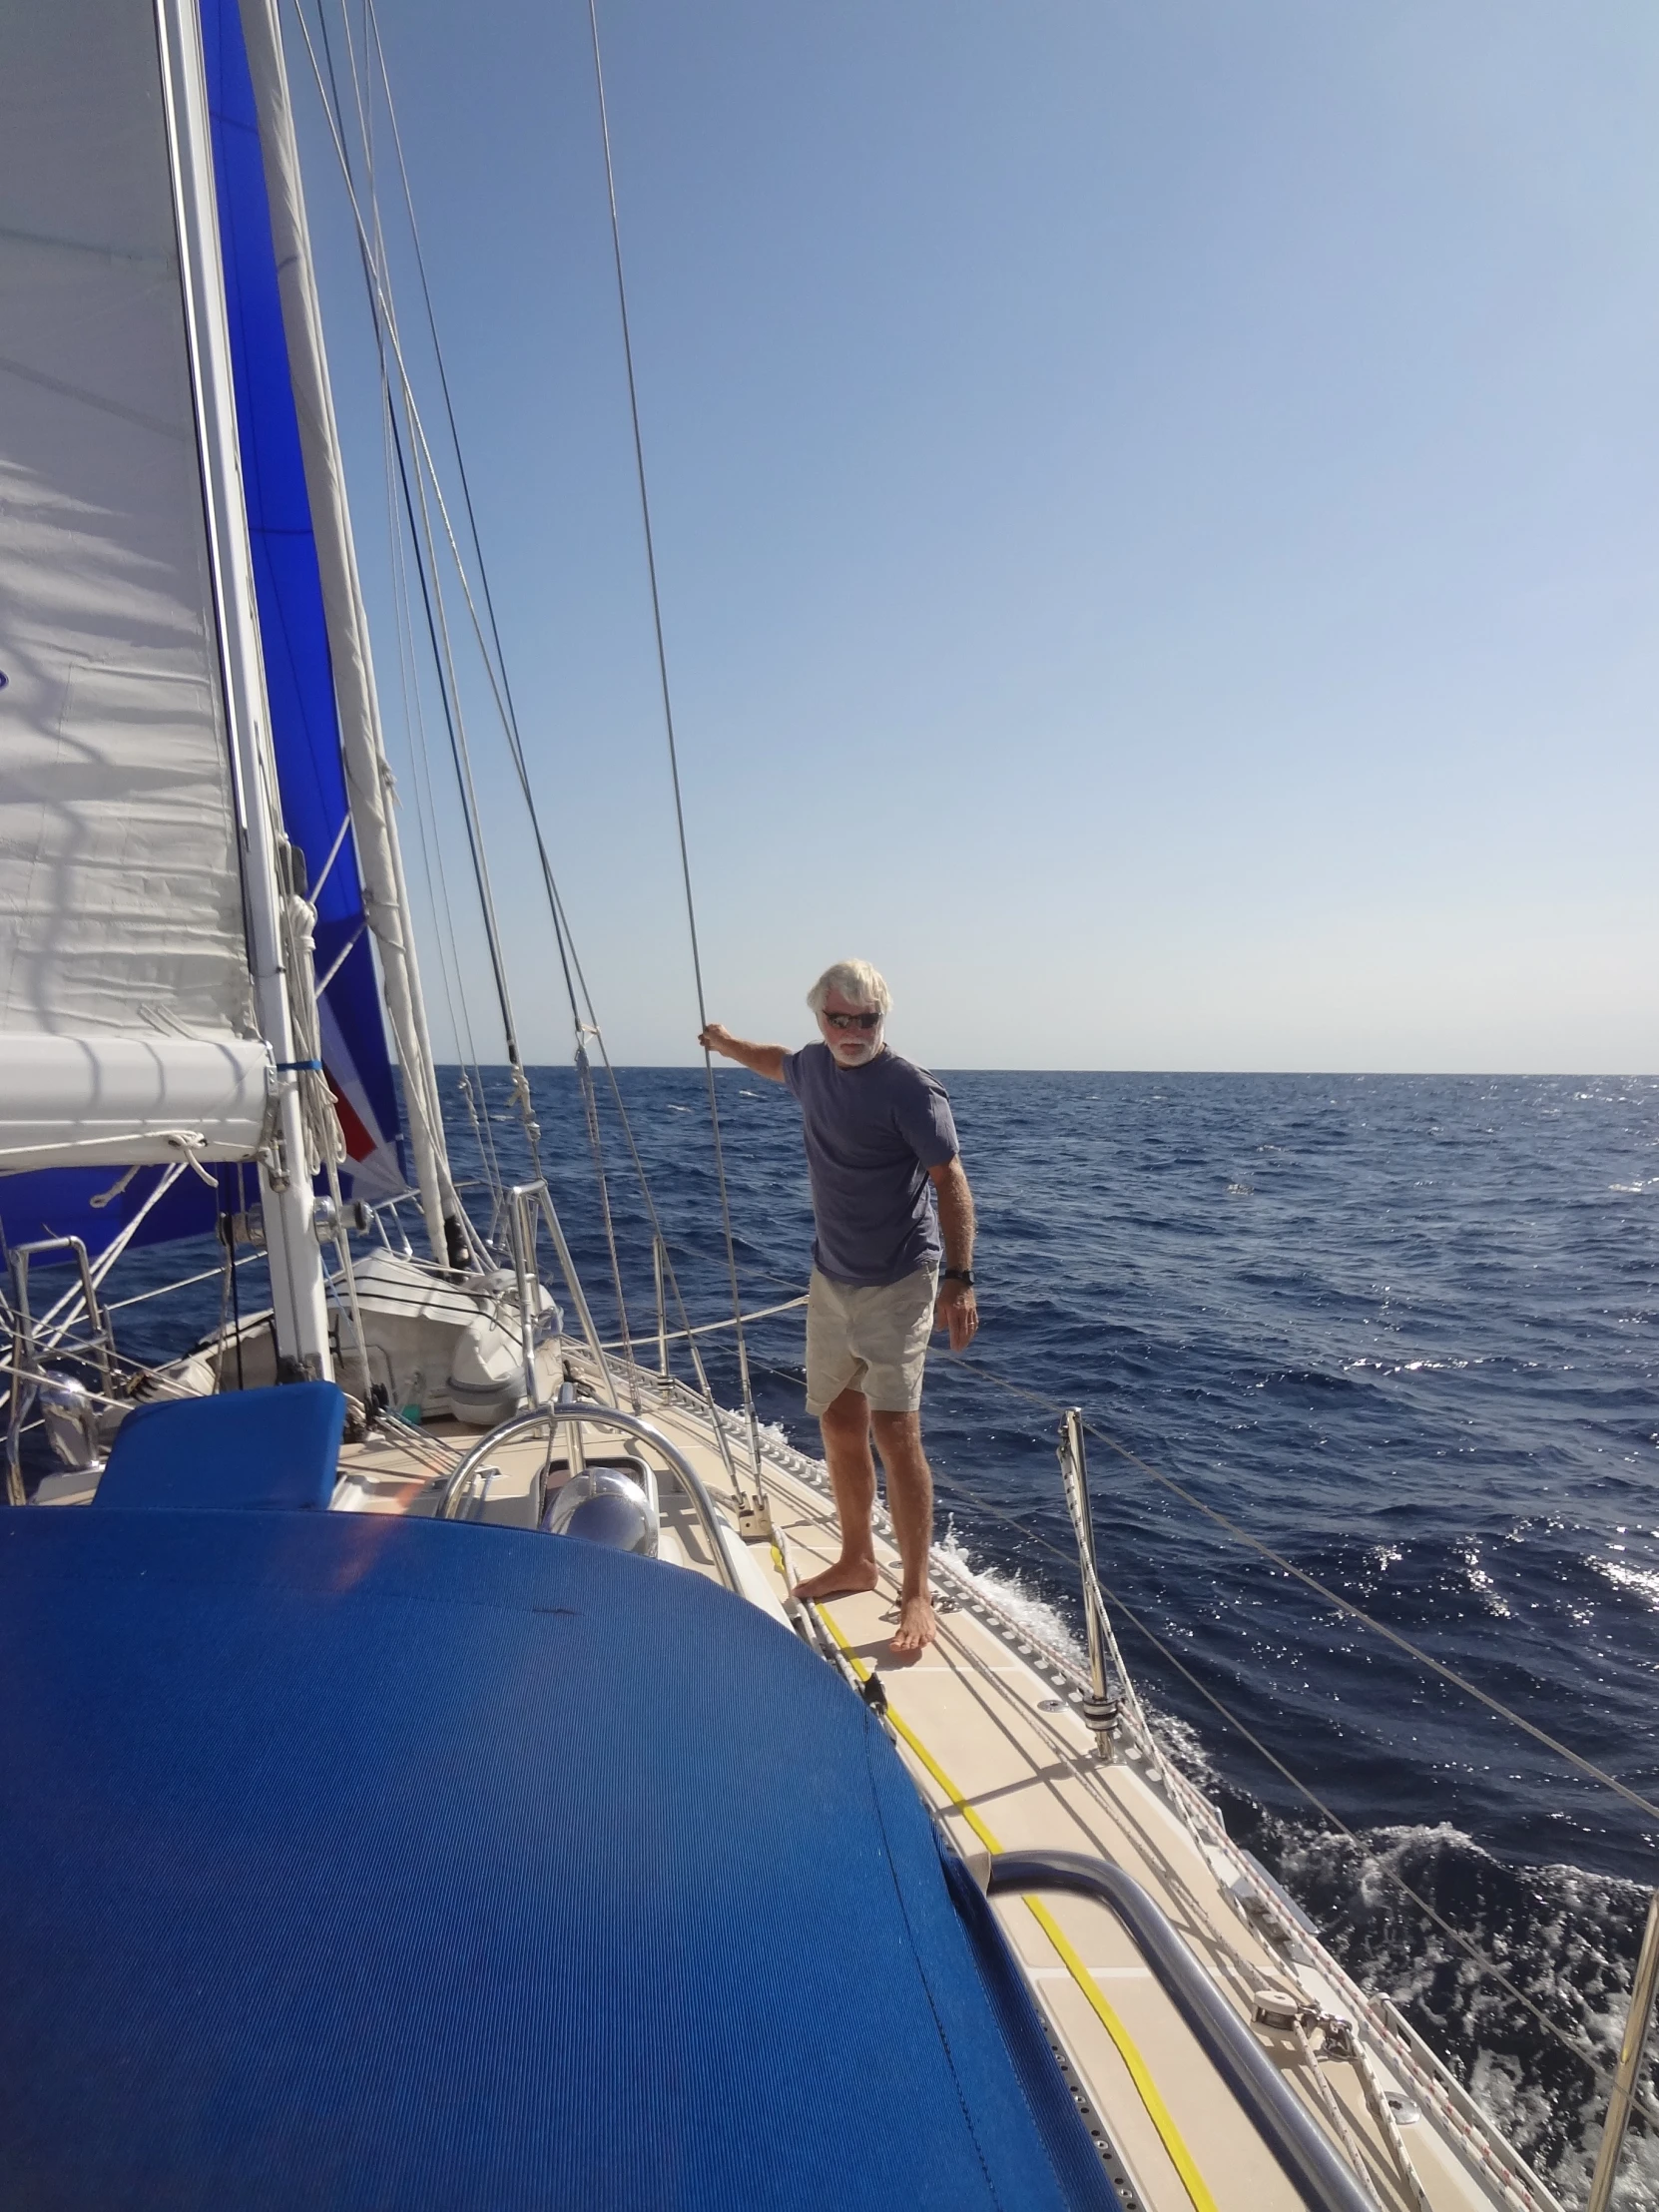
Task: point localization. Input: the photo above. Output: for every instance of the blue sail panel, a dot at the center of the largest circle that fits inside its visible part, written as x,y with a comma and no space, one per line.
292,626
61,1202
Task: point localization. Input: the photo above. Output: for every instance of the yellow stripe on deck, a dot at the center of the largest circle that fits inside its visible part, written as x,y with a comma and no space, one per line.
1157,2111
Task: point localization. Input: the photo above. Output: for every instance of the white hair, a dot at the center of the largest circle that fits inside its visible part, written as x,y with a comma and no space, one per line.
855,979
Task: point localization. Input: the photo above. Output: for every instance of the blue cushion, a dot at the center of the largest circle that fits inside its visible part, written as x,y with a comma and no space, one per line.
359,1862
277,1447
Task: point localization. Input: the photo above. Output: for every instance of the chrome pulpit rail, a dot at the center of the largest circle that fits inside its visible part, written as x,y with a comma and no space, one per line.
582,1414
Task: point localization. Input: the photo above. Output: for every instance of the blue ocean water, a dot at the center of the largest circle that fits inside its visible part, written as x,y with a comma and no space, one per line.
1404,1330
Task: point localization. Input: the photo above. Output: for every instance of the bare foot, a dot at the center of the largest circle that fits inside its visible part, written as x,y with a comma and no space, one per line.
916,1628
845,1579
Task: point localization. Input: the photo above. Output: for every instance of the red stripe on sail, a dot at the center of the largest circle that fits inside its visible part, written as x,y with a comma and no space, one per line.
360,1143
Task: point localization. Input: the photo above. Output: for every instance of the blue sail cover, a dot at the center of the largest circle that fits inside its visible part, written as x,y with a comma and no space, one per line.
361,1862
305,724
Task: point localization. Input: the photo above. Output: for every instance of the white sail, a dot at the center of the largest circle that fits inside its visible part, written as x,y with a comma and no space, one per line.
143,997
121,909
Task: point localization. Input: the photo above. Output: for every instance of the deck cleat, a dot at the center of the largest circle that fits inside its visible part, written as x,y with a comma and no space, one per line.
754,1521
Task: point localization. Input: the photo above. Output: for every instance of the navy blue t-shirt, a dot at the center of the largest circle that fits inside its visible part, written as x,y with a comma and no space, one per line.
871,1132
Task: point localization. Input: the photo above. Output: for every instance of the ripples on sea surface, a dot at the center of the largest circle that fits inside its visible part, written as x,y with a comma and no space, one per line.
1400,1328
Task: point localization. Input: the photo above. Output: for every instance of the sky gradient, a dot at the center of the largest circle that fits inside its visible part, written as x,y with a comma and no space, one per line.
1155,510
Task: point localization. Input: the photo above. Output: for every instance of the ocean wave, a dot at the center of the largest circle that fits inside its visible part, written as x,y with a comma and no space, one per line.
1565,1939
1037,1615
1641,1582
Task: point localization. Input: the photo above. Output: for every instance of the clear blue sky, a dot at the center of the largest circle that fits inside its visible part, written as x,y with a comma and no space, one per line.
1156,513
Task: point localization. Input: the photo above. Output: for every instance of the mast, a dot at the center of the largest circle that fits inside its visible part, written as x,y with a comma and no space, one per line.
299,1301
368,779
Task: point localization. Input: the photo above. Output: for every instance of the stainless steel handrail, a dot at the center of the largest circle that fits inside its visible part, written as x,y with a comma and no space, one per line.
1320,2178
601,1417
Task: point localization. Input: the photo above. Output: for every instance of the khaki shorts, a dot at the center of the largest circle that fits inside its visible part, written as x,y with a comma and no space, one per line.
869,1337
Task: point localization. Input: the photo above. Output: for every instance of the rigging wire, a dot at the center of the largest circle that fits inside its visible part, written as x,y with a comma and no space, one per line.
437,890
385,326
494,657
431,844
462,752
386,331
590,1113
673,750
490,649
506,705
373,27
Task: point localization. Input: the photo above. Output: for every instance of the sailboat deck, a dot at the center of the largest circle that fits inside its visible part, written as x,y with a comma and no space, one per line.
987,1721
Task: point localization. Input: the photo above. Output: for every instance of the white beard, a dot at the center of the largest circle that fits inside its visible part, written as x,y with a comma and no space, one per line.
868,1049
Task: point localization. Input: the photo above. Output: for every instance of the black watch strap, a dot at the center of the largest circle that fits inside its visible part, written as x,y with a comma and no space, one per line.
958,1275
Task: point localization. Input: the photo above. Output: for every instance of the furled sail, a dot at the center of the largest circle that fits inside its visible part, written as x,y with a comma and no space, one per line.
294,630
125,1010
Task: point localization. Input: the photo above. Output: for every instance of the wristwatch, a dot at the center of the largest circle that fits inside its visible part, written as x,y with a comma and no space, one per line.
958,1275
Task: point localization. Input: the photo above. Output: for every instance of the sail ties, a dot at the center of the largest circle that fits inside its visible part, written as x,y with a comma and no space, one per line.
103,1198
190,1143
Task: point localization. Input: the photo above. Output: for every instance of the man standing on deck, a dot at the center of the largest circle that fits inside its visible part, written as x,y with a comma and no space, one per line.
886,1182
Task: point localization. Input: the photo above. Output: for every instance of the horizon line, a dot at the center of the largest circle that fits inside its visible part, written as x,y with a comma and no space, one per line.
1311,1075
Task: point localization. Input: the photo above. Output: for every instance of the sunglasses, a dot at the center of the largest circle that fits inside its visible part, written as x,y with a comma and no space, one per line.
854,1021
